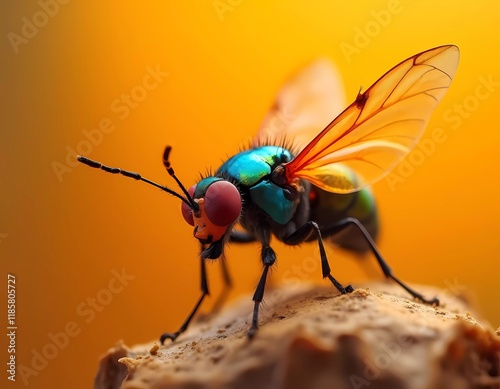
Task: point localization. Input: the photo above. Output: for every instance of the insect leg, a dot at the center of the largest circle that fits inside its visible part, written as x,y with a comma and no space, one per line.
268,257
236,237
302,234
228,284
386,269
241,237
204,292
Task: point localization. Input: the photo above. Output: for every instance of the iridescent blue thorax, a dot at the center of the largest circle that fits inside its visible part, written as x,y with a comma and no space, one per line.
250,166
251,171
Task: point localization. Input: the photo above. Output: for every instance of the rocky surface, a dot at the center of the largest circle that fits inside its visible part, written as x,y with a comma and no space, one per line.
311,337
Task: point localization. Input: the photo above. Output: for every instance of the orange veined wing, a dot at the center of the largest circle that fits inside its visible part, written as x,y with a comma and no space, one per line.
303,106
380,128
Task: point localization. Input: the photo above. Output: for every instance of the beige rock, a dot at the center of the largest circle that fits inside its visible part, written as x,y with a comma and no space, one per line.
311,337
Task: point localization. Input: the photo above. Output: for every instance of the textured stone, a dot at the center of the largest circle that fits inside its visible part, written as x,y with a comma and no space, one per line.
311,337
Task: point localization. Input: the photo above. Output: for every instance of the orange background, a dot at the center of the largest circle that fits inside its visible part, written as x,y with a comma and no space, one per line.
65,237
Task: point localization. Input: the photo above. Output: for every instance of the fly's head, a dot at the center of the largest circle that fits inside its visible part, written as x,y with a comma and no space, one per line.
219,207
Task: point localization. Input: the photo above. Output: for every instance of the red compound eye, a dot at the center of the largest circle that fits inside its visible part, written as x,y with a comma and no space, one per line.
187,213
222,203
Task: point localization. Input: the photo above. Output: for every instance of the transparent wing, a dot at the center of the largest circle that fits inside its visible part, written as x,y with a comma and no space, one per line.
303,107
381,127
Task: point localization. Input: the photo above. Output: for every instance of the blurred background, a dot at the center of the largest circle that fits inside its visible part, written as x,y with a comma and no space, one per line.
101,258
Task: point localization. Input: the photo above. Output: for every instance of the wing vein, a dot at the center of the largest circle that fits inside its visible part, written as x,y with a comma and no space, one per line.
390,124
380,127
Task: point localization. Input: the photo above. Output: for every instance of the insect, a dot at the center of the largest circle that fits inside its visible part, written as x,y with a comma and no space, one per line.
301,189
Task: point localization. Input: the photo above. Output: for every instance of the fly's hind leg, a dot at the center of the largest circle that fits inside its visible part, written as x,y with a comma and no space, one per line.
301,235
386,269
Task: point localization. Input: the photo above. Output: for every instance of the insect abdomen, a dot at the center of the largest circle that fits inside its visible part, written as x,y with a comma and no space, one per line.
328,208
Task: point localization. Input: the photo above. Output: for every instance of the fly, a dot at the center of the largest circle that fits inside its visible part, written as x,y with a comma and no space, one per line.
304,179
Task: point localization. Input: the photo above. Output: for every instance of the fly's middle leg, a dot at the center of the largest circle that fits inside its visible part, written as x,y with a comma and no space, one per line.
301,235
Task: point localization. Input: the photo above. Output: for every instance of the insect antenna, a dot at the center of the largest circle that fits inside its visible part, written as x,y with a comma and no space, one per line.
135,176
194,206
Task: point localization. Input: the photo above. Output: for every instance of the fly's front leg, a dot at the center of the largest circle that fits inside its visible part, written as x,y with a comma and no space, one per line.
386,269
268,257
236,237
185,325
228,284
304,233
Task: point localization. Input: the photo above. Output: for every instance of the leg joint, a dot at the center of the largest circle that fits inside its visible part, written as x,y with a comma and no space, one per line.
268,256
